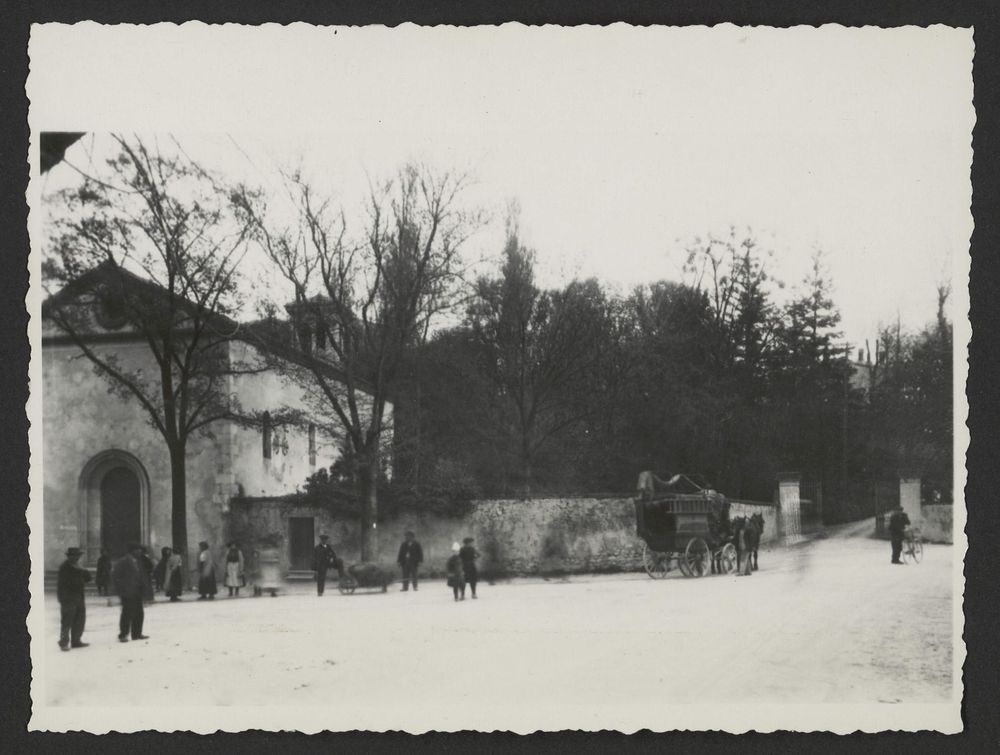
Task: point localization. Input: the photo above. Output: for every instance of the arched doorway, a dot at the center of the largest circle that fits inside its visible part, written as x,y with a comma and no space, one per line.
114,503
121,513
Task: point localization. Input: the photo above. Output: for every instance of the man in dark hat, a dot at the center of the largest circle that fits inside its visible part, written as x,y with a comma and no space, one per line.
129,580
898,522
409,559
72,609
323,558
468,555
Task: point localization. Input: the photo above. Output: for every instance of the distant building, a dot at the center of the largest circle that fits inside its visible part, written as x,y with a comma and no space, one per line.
107,478
862,373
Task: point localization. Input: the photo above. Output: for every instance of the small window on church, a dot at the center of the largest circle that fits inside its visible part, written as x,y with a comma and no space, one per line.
305,338
312,445
320,338
111,314
267,435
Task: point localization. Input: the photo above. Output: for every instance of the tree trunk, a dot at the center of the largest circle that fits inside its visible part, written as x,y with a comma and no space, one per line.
367,477
525,464
178,508
420,422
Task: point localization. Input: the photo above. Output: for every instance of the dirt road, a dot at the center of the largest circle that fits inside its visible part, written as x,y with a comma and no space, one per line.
831,621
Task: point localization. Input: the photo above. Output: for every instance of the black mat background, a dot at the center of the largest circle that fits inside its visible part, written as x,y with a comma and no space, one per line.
981,708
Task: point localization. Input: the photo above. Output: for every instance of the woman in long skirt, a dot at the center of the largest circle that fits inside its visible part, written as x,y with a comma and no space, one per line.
234,569
172,578
456,579
160,570
206,573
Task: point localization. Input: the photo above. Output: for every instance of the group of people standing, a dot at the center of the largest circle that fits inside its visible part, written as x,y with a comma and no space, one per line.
166,575
235,573
130,576
135,579
461,567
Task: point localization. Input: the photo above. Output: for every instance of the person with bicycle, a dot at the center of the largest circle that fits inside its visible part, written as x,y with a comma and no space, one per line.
898,522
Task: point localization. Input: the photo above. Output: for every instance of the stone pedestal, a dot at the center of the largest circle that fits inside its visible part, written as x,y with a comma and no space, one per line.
790,507
909,496
269,566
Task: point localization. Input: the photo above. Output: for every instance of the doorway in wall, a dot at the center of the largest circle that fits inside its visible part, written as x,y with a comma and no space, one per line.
121,515
113,507
301,540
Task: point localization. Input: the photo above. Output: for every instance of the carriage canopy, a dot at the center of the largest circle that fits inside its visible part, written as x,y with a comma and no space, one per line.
669,522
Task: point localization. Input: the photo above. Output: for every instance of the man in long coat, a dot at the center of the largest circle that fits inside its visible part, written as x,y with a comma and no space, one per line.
324,558
898,522
411,555
129,580
72,610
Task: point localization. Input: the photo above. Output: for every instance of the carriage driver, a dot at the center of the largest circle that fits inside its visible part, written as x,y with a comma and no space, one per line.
720,524
648,482
646,486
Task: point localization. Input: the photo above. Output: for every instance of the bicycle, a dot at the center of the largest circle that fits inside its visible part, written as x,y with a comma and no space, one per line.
913,546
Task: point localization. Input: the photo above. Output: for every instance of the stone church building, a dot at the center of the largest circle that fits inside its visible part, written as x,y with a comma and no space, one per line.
106,469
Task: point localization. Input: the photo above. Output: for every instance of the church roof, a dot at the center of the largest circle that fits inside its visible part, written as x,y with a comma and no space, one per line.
272,335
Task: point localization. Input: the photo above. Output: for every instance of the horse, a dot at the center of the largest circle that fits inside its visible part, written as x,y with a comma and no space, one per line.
747,539
739,525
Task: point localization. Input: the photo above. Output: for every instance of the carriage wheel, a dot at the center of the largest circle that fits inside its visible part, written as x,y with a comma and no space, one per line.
697,557
728,558
683,566
347,586
657,564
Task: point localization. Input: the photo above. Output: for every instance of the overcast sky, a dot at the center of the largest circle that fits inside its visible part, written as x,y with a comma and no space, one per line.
620,144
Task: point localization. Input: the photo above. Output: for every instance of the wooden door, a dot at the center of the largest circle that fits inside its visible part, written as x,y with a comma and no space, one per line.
301,540
121,521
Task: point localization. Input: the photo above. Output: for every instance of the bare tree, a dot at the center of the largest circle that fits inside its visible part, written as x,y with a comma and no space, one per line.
733,274
731,271
360,305
154,246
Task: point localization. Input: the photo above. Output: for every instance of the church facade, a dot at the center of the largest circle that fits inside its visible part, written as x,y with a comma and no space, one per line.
106,469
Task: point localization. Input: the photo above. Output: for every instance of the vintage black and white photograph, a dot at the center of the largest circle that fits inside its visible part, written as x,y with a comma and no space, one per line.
457,378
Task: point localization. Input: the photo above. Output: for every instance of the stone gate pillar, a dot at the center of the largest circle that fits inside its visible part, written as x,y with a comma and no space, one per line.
909,495
790,507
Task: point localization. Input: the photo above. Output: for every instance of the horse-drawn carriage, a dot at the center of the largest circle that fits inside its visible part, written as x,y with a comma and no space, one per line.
690,531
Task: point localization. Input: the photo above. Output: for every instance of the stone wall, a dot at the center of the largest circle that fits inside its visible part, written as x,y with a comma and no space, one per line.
937,525
514,537
556,535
